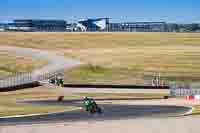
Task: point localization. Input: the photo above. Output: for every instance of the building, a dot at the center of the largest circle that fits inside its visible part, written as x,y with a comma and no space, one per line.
115,27
92,25
3,27
172,27
37,25
138,27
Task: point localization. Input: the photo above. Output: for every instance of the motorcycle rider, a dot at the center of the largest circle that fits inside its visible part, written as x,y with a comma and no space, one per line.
89,102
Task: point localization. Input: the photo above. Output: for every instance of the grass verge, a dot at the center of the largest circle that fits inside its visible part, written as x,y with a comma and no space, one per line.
196,110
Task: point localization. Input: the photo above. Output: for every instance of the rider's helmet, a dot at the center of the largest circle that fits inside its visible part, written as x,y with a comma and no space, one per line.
86,98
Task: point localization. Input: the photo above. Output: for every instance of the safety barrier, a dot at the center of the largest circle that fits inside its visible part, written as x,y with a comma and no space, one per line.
23,79
192,97
184,92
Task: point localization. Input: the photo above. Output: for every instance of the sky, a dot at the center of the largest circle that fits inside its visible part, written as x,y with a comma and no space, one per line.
180,11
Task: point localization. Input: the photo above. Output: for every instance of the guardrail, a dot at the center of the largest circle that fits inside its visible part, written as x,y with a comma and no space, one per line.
21,79
115,86
184,92
183,89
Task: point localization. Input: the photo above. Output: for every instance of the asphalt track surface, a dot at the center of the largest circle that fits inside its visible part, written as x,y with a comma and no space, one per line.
110,112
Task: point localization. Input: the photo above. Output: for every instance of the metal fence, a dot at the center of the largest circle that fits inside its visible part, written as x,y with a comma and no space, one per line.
183,90
28,78
32,77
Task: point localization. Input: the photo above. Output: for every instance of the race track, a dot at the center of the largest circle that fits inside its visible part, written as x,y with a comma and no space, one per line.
110,112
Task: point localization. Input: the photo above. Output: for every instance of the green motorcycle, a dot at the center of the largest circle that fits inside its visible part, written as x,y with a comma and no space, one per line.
91,106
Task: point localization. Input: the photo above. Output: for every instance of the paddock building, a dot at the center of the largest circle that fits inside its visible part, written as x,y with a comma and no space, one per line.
37,25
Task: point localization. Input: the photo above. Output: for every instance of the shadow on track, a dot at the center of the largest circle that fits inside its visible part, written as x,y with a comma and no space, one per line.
114,86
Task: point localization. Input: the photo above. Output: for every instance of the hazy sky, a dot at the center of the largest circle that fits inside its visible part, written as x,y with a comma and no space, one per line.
184,11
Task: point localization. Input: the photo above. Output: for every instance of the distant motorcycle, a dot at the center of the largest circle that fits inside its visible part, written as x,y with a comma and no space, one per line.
60,99
91,106
57,81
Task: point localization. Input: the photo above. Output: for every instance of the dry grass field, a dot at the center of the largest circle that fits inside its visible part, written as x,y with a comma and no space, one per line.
119,58
11,64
